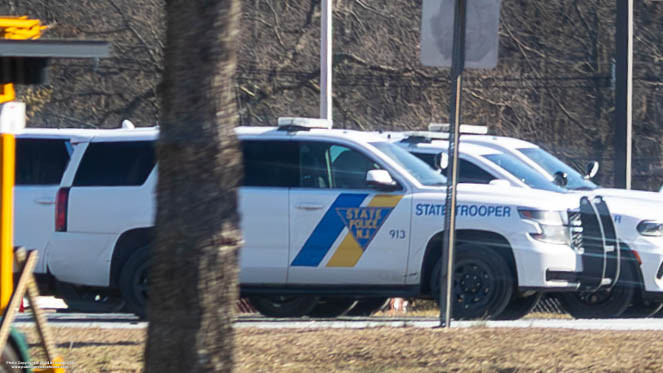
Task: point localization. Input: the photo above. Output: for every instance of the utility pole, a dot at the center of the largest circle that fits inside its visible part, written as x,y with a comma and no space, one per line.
326,37
623,93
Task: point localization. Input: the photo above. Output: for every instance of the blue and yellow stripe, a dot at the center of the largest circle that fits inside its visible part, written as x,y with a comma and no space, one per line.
331,225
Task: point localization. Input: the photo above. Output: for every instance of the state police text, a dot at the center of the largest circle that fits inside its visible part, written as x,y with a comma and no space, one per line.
428,209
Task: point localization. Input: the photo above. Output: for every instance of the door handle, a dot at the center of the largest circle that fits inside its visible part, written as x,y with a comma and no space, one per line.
45,201
309,206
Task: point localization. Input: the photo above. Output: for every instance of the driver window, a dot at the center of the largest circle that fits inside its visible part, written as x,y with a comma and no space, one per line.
325,165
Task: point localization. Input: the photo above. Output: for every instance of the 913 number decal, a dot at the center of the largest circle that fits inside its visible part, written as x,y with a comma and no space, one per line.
397,234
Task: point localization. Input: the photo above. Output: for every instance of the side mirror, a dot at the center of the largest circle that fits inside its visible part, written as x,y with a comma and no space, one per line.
442,161
380,179
591,169
560,178
500,182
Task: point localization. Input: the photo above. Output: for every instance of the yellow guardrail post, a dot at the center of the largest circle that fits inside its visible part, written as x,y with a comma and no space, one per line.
12,118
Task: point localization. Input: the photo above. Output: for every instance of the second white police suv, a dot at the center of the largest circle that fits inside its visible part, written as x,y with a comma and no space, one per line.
639,224
330,215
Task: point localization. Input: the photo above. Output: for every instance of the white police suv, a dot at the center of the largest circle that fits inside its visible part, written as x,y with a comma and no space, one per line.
484,159
334,215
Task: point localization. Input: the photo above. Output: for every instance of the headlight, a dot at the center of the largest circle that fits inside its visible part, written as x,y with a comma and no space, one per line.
550,223
650,228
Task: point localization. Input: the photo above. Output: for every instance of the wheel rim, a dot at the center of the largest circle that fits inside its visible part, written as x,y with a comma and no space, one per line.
474,285
141,284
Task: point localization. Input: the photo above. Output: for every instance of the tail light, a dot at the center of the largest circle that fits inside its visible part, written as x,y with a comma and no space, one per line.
61,204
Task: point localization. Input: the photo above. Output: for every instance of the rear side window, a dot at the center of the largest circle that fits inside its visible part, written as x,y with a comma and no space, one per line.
270,163
471,173
116,164
467,172
40,161
428,158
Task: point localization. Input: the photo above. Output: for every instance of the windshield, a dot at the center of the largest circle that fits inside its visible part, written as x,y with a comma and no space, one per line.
415,166
523,172
553,165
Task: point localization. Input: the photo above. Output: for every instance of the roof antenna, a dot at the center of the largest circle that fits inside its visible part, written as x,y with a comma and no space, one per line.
126,124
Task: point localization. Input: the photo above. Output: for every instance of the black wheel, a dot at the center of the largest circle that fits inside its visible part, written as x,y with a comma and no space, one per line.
606,302
482,283
367,306
332,307
284,306
134,282
519,306
642,307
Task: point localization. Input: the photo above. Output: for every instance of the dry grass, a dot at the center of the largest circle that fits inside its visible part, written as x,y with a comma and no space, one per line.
389,350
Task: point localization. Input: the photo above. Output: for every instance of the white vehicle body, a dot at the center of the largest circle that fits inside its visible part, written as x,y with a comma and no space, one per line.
322,235
41,158
629,207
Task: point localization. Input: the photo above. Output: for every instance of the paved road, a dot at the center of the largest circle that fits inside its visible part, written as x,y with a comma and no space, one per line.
127,321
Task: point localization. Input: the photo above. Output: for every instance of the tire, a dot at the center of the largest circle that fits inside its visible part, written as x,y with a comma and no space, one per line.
604,303
134,282
367,306
482,284
332,307
284,306
519,306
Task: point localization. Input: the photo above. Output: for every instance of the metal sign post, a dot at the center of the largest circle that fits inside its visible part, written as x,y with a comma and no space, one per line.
326,60
457,66
469,40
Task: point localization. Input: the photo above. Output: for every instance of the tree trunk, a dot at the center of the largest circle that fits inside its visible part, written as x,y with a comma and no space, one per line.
193,278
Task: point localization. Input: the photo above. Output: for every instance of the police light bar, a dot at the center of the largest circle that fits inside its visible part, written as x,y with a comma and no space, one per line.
304,123
464,128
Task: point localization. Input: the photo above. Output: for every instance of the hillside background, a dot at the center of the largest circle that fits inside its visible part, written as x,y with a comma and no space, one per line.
553,84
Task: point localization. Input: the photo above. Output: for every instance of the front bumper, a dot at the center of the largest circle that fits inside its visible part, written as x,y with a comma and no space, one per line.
535,260
650,251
